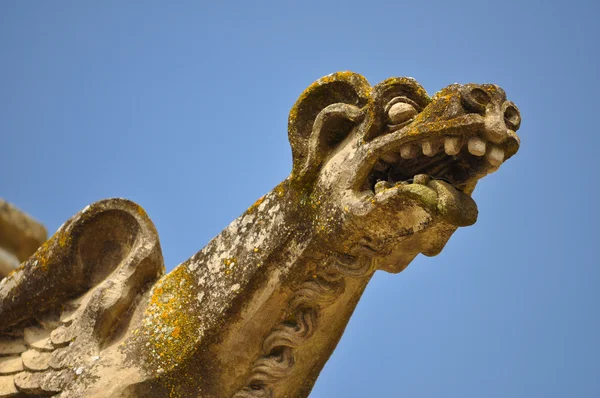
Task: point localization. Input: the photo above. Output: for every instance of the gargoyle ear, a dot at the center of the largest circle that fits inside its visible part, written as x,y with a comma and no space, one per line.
109,252
323,116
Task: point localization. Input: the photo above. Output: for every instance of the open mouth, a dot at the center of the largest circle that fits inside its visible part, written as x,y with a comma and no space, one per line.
456,160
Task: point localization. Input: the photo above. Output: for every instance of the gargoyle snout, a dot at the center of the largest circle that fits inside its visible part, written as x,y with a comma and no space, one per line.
500,116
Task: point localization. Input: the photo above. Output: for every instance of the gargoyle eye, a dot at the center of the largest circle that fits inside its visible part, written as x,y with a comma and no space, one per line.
476,99
401,110
512,116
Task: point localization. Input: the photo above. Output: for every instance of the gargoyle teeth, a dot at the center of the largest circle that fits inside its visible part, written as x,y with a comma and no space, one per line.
382,186
381,166
462,160
495,156
430,148
390,157
476,146
452,145
408,151
422,179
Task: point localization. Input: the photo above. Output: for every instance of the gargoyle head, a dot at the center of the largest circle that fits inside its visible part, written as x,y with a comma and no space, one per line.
389,171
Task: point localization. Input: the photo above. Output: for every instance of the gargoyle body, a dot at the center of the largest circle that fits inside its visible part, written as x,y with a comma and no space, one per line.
380,174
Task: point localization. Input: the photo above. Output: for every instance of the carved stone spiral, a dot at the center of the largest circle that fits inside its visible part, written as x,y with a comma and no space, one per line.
306,302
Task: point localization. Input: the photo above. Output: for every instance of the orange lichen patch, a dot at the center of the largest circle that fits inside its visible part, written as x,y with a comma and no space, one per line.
491,88
280,190
419,91
170,325
230,261
255,205
44,250
11,273
64,239
427,122
361,83
229,264
446,92
60,240
140,210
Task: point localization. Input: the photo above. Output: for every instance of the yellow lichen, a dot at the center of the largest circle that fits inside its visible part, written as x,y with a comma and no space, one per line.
170,327
60,240
229,261
280,190
141,211
358,81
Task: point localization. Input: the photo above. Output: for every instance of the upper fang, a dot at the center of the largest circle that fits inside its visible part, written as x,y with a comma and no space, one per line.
430,148
495,156
452,145
408,151
476,146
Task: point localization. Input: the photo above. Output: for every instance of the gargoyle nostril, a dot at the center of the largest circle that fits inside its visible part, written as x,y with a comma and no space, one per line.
480,96
512,117
476,99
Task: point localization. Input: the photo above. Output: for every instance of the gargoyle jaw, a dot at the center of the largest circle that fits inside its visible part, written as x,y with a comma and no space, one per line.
458,151
439,173
437,197
460,161
390,155
434,146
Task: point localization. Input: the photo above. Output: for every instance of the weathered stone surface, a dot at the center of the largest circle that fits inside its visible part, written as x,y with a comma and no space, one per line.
69,308
54,382
9,346
380,174
20,236
49,321
10,365
60,359
8,262
28,383
7,387
35,360
37,338
61,336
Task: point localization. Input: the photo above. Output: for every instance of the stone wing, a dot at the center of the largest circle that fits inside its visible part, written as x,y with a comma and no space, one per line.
75,297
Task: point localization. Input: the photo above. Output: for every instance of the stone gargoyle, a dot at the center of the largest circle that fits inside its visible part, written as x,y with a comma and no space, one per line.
380,174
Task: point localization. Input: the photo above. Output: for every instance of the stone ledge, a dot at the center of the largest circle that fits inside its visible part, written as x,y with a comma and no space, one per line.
20,236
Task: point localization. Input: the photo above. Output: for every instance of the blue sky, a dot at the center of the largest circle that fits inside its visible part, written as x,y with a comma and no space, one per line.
182,107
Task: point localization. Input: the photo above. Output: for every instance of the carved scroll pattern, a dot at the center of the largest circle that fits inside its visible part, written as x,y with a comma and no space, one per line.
316,293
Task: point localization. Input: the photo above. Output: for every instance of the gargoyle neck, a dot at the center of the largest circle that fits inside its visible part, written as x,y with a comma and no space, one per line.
261,299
